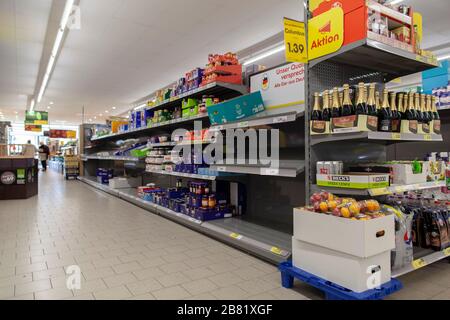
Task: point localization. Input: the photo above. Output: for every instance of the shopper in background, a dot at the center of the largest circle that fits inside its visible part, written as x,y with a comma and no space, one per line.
44,152
29,150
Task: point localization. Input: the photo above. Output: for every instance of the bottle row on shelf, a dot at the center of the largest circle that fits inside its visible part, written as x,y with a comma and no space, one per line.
363,108
198,200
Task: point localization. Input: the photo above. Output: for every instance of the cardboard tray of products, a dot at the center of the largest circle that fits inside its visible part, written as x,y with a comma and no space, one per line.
358,238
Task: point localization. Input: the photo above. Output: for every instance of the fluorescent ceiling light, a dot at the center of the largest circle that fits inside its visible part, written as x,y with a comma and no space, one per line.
141,106
56,47
114,108
32,105
395,1
265,55
444,57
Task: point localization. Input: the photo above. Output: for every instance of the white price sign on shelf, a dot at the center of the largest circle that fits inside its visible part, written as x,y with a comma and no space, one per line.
270,171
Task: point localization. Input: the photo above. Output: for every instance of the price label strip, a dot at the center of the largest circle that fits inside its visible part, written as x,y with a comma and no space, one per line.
379,192
277,251
447,252
295,41
419,263
236,236
396,136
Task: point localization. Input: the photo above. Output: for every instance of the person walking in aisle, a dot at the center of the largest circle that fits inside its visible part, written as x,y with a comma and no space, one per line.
29,150
44,153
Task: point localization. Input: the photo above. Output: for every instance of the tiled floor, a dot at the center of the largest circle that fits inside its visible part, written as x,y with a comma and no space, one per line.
127,253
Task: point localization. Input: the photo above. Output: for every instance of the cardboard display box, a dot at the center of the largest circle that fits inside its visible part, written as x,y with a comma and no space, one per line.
357,238
354,273
236,109
353,180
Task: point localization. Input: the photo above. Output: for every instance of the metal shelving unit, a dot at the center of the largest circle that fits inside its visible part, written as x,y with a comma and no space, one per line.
389,61
365,61
422,258
381,137
287,168
184,175
271,245
376,192
268,117
112,158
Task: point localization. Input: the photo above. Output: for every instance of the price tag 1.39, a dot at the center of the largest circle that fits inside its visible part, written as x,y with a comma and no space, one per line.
295,41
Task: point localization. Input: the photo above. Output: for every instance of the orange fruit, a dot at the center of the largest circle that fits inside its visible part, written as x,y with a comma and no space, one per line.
323,207
354,209
345,212
332,205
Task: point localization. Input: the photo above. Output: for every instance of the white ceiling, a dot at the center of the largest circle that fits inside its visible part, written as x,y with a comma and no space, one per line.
126,49
23,25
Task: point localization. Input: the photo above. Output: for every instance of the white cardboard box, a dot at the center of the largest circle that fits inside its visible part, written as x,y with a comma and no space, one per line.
403,173
359,238
123,183
354,273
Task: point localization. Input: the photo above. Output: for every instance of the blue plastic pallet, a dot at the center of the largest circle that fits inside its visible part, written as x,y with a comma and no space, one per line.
333,291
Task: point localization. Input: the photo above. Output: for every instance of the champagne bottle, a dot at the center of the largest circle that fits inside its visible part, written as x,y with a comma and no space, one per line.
326,111
393,105
410,113
361,104
385,115
405,102
429,109
434,107
417,107
347,105
316,114
377,102
341,100
335,106
423,108
371,103
401,110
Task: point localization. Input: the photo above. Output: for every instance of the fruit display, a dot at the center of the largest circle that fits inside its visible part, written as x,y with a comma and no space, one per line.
349,208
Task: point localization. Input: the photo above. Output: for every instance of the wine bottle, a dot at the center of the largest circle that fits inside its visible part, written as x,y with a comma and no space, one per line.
316,114
434,108
347,105
378,102
371,103
410,113
385,114
335,106
405,102
361,104
417,107
326,111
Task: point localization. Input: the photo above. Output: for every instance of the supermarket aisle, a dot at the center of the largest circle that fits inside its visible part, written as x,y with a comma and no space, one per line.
127,253
123,251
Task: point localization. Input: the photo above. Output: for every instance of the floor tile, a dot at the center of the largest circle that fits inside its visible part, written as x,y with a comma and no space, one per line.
54,294
144,286
173,279
225,279
200,286
117,293
6,292
148,273
119,280
172,293
127,267
35,286
98,273
230,293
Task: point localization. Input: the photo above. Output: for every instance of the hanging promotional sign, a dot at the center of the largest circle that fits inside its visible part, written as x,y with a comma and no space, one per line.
62,134
33,128
36,117
326,33
295,41
281,87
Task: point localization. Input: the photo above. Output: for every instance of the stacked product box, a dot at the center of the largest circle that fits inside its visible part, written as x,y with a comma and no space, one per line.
103,175
349,249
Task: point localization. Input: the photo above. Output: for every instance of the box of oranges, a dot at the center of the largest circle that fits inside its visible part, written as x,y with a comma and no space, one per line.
358,228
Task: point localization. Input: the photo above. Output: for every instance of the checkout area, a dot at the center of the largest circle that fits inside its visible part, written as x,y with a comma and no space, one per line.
18,172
